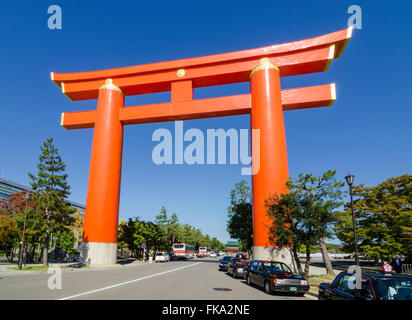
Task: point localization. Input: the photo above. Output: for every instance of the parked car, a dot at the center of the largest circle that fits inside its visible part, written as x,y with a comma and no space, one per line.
173,256
275,276
236,267
213,255
375,286
240,255
223,263
162,257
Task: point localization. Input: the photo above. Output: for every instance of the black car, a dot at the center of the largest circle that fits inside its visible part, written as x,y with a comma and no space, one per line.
236,267
223,263
173,257
275,276
374,287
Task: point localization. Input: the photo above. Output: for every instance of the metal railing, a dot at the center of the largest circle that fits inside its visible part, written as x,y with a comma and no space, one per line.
407,268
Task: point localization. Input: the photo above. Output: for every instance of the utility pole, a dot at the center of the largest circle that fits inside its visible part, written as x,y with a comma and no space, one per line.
22,248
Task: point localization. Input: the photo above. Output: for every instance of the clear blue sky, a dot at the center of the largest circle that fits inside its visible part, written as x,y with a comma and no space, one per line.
367,132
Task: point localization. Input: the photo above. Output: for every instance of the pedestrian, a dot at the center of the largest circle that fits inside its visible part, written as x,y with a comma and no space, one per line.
402,257
398,266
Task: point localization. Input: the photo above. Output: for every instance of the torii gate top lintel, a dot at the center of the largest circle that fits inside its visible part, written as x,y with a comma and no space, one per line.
293,58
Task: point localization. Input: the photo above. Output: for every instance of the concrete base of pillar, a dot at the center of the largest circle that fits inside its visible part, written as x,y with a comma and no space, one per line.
284,255
98,254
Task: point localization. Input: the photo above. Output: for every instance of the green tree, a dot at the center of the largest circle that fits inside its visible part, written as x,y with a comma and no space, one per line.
15,207
215,244
162,221
150,234
206,241
305,215
9,234
50,191
290,226
126,235
381,213
240,224
172,229
407,237
135,232
66,241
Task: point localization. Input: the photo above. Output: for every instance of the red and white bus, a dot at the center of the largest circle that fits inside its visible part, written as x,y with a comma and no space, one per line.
204,252
184,250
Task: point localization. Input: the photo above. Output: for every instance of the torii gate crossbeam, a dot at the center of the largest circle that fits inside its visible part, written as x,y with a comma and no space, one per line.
266,102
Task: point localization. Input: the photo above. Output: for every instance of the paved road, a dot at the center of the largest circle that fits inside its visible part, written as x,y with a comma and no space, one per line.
175,280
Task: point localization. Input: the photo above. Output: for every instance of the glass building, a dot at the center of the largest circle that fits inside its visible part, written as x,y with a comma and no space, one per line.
8,187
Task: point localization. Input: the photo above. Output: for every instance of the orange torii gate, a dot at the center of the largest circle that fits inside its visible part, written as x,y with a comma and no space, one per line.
266,102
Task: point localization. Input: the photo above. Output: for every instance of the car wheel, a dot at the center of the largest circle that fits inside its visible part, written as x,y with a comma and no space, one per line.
248,280
267,287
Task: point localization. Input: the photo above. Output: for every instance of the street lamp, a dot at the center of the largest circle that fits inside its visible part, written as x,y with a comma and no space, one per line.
24,231
349,179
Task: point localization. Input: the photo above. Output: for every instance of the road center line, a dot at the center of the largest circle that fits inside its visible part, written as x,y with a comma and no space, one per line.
127,282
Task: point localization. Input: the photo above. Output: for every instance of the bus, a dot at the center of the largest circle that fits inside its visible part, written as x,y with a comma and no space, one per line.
184,250
204,251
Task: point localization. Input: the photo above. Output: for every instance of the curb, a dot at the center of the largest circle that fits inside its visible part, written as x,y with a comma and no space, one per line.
312,294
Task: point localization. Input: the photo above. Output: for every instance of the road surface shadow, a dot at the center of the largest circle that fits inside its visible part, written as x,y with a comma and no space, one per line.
196,260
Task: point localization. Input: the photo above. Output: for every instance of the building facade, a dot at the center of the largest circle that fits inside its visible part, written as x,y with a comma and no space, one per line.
7,188
232,247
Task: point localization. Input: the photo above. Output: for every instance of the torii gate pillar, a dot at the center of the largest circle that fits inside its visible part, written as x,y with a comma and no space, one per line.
270,166
102,205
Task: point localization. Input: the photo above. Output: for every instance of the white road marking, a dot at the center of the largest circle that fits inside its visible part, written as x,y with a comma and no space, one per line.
127,282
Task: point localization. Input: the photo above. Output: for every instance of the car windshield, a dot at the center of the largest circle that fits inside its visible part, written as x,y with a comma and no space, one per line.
394,288
178,246
276,267
241,262
159,254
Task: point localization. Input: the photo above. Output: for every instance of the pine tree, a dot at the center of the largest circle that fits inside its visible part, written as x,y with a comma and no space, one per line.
162,222
50,191
172,228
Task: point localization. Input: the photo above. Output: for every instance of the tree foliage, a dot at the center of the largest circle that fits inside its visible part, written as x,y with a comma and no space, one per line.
304,216
49,195
382,214
161,234
9,234
240,223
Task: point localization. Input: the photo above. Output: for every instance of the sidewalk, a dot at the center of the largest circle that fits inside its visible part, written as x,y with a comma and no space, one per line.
6,268
318,271
314,271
